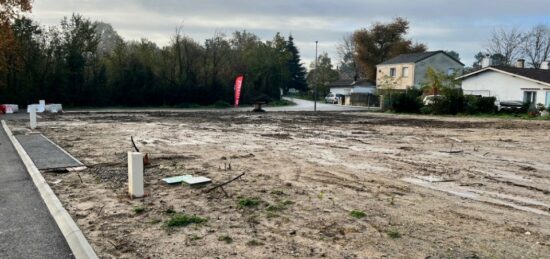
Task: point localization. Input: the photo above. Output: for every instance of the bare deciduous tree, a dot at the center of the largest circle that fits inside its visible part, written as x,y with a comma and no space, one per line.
536,45
347,54
506,43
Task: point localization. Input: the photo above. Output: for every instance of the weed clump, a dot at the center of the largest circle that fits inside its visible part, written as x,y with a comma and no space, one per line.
226,239
357,214
254,242
394,234
183,220
139,210
249,202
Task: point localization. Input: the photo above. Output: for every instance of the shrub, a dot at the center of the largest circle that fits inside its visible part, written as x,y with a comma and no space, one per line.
453,102
475,104
426,110
407,102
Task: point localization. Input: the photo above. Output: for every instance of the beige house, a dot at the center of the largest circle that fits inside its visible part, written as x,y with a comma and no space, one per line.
409,70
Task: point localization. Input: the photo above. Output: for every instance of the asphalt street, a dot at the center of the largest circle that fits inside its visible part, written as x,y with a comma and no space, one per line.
27,230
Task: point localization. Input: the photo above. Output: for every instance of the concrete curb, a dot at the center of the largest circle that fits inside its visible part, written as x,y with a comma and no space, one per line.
72,233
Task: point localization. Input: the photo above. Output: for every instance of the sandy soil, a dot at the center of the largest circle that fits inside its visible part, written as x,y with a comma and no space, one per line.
429,187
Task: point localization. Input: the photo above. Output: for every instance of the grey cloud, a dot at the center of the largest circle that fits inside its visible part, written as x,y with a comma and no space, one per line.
462,26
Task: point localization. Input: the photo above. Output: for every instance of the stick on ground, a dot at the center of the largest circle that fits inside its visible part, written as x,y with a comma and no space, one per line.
225,183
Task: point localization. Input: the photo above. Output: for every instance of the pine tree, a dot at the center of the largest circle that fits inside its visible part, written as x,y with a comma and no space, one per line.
296,68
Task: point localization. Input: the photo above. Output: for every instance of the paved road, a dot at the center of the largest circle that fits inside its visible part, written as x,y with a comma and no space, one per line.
27,230
305,105
301,105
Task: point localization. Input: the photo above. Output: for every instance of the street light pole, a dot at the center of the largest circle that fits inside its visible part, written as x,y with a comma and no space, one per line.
316,79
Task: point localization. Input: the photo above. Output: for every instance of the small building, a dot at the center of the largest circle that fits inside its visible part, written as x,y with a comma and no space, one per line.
409,70
529,85
348,87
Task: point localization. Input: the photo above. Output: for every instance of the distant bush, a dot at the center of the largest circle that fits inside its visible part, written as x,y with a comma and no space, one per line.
453,103
477,104
407,102
281,102
221,104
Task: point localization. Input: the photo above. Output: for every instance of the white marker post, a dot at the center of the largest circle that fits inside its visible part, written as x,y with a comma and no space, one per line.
135,174
33,117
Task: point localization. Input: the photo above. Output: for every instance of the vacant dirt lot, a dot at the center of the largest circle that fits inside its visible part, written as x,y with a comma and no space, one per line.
428,187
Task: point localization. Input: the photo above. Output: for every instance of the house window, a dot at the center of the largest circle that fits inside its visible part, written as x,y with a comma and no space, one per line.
392,72
451,71
405,72
529,97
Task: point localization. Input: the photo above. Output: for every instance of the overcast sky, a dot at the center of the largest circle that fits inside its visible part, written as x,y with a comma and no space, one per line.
463,26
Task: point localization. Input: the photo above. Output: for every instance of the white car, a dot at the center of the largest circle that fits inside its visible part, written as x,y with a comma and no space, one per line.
430,99
331,98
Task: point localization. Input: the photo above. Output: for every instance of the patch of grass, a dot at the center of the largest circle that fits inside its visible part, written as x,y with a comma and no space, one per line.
277,192
287,202
169,211
271,215
321,195
254,242
220,105
139,210
155,221
183,220
249,202
275,207
279,206
357,214
226,239
194,237
394,234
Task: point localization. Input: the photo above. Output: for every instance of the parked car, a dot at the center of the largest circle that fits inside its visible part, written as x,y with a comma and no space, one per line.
331,98
510,105
430,99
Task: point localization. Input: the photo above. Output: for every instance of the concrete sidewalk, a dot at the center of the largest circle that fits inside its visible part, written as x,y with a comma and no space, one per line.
27,230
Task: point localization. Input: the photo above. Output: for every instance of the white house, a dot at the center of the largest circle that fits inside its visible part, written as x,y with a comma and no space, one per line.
349,86
510,83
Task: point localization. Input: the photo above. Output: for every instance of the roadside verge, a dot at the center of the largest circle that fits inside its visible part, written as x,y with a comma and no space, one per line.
72,233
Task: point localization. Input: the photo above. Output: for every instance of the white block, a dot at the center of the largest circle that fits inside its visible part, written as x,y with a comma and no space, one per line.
135,174
33,118
42,104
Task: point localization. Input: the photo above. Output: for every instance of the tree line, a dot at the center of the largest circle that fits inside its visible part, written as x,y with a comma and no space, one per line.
86,63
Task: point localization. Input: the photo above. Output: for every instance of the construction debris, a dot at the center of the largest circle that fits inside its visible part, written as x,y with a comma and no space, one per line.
197,180
176,179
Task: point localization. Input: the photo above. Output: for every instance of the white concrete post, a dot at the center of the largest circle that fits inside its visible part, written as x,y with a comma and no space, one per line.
33,118
42,104
135,174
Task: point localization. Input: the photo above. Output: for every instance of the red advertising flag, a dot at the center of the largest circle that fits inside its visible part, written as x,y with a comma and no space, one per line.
238,86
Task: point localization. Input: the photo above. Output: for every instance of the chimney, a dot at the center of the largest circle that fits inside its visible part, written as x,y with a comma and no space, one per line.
487,61
545,65
520,63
